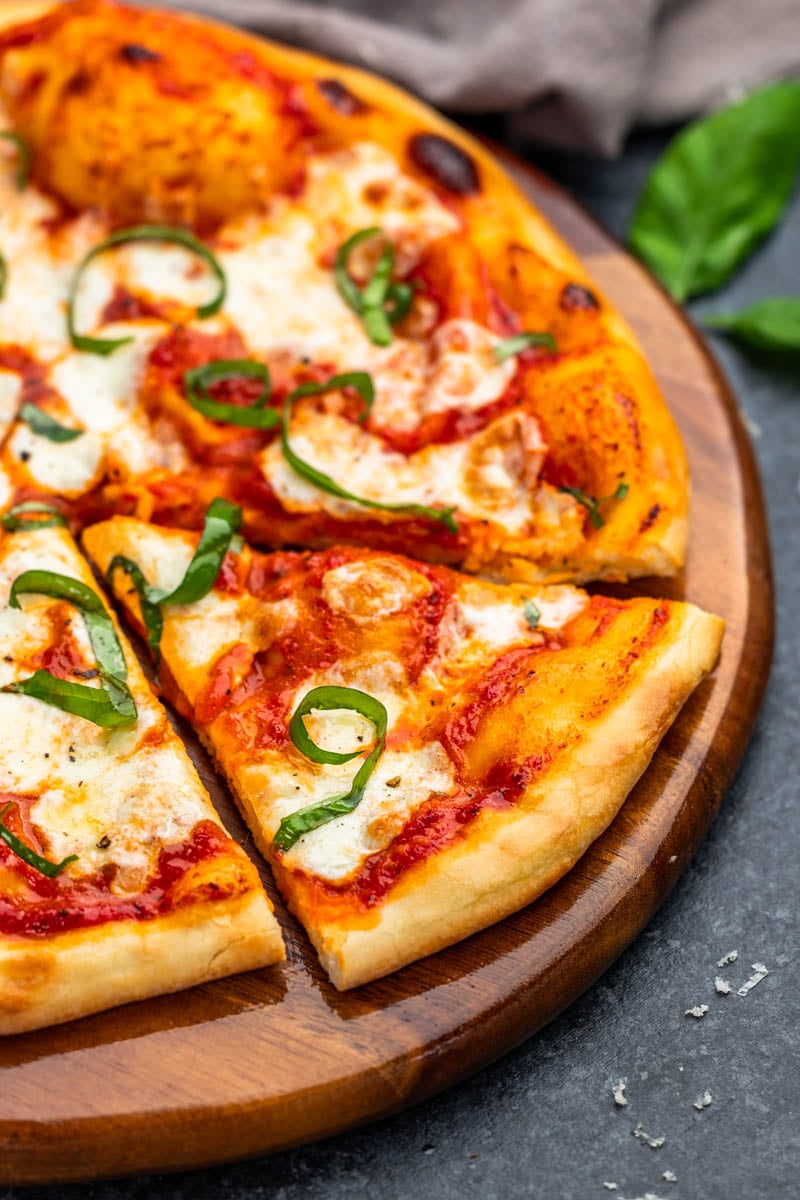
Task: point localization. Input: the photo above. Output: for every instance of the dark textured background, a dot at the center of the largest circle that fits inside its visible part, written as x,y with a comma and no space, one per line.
541,1122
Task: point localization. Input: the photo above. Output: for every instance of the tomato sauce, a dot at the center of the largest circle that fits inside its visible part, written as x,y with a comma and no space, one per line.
51,906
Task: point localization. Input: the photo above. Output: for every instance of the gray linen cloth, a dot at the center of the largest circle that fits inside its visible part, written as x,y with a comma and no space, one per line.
571,73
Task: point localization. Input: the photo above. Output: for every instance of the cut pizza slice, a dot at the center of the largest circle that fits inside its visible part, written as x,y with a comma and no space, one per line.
505,421
117,880
416,752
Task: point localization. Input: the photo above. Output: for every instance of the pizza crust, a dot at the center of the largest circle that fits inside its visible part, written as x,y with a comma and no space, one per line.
51,980
505,861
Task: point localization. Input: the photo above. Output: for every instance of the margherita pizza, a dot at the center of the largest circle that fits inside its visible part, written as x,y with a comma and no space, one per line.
246,289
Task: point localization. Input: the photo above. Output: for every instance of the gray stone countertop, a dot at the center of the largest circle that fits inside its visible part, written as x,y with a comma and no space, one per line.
542,1122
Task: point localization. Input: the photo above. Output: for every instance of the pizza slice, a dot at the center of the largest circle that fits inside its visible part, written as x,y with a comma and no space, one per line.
117,880
369,335
416,752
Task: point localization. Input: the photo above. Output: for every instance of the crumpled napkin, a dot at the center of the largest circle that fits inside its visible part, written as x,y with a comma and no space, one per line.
571,73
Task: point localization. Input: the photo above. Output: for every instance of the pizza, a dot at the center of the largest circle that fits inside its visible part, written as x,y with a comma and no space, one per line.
117,880
322,226
340,423
497,728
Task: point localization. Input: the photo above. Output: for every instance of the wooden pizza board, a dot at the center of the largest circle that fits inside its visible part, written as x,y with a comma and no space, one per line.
270,1059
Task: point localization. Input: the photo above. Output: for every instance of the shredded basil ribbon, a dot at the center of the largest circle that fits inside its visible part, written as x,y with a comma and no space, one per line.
42,865
142,233
592,505
222,521
522,341
330,698
14,522
46,426
380,303
110,706
532,614
23,157
197,381
362,383
3,275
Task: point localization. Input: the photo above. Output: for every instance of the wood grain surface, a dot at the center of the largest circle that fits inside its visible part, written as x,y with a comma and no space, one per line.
270,1059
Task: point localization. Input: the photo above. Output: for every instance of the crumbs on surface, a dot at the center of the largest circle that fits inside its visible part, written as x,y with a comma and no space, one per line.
728,958
698,1011
655,1143
618,1092
703,1101
670,1176
759,972
722,986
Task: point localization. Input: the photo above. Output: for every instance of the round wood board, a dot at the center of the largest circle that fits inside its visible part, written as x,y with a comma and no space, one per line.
267,1060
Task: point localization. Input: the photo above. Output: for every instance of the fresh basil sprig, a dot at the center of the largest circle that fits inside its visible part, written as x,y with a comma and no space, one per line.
14,521
362,383
330,697
111,705
592,504
46,426
772,324
43,865
197,381
520,342
221,523
142,233
23,157
381,302
718,189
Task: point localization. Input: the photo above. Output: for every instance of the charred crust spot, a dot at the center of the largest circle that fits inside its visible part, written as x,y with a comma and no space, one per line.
339,96
445,162
133,53
576,298
650,519
78,84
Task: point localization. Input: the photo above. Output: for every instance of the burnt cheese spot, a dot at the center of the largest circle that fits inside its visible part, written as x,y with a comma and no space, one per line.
576,298
340,97
650,519
134,53
445,162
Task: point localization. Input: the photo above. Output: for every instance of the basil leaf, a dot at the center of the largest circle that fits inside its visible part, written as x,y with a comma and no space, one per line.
197,381
93,704
221,524
362,382
592,505
772,324
298,823
532,614
46,426
112,704
142,233
13,521
718,189
23,157
18,847
522,341
380,303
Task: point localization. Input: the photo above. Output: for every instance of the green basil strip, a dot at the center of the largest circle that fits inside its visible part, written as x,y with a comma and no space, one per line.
592,505
142,233
112,704
532,614
23,157
362,383
13,521
380,303
3,275
772,325
197,381
720,186
520,342
42,865
221,524
46,426
304,820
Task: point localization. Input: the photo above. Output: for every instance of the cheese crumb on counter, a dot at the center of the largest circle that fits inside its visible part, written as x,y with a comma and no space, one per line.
698,1011
759,972
703,1101
618,1092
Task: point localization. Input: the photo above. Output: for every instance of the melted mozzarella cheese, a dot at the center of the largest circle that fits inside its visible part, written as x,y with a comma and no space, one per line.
69,468
559,605
10,388
479,484
400,783
370,589
102,390
134,786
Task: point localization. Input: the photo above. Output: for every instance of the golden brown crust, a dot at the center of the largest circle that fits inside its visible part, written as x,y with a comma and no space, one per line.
56,979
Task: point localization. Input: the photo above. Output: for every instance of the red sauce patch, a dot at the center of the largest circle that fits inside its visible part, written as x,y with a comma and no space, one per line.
52,906
125,305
